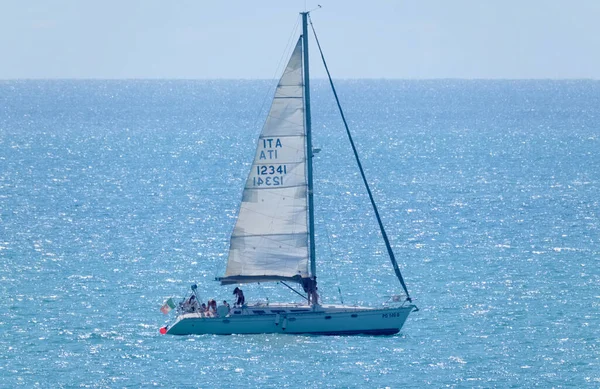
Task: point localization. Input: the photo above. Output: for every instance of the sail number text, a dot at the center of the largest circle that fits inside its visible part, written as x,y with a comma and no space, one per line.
263,170
268,181
269,148
269,175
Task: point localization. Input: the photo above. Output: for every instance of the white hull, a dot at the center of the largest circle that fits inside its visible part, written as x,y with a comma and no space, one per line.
330,320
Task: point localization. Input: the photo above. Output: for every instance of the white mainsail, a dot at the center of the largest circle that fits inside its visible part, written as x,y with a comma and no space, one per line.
270,238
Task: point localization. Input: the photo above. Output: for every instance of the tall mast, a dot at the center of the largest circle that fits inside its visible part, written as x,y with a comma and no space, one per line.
309,149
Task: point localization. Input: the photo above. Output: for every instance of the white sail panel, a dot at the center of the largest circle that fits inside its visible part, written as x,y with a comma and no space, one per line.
289,91
256,219
283,256
286,117
270,238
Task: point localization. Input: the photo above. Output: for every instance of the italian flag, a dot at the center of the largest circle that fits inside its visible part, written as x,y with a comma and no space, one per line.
167,306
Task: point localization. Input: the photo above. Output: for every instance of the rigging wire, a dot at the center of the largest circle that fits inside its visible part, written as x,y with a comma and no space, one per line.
335,270
362,173
277,71
263,290
331,254
294,290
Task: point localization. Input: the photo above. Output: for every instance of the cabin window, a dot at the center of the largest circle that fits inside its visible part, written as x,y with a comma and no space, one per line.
354,315
327,317
259,312
237,312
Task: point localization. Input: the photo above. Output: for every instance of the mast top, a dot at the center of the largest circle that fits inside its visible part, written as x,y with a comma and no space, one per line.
314,9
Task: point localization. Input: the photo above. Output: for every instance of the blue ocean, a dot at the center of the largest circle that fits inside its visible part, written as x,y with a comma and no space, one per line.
116,195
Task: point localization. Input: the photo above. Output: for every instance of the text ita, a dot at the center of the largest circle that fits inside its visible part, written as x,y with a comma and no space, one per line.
271,144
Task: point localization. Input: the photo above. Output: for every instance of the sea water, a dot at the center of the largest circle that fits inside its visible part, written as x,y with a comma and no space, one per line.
116,195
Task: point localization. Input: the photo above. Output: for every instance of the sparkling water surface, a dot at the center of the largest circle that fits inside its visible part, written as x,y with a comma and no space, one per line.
115,195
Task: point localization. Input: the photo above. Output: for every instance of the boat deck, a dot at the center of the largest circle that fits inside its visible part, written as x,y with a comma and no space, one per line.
279,309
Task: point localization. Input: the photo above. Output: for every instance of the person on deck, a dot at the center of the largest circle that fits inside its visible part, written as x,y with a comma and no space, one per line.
240,297
315,296
212,306
310,288
191,305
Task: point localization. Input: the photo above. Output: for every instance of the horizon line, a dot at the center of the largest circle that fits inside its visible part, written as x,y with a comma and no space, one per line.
313,79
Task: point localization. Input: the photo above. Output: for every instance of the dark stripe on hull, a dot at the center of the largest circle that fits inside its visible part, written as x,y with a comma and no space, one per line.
379,332
383,331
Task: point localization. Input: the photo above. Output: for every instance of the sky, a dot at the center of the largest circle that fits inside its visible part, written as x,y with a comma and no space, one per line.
244,39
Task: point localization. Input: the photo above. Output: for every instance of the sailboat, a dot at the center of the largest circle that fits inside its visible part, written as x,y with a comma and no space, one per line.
274,235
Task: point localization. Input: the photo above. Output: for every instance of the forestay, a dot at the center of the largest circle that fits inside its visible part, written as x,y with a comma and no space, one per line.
270,238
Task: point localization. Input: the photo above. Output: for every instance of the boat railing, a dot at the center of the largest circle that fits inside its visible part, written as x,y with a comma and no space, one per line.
185,309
